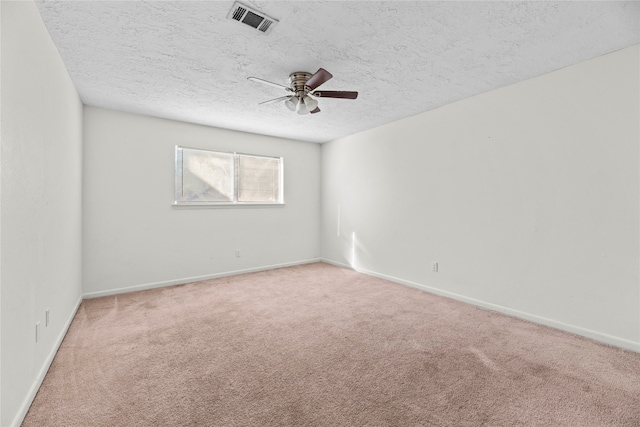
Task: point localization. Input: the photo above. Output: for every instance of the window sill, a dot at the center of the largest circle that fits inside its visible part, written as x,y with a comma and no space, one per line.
226,205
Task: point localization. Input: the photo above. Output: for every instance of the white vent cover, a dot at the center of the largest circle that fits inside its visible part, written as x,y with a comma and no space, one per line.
252,18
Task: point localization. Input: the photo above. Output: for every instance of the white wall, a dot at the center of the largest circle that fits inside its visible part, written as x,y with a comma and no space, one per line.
133,238
527,197
40,197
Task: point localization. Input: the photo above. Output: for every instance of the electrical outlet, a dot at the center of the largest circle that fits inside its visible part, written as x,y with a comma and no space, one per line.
435,267
37,331
46,317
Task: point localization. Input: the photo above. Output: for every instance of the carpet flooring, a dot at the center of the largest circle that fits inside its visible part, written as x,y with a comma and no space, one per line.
318,345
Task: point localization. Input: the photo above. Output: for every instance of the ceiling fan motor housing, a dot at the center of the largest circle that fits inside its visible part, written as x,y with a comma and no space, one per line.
298,81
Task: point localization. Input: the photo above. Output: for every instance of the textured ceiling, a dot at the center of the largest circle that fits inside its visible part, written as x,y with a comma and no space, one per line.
185,60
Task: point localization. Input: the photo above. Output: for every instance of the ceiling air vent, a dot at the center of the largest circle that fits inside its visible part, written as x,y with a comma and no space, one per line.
252,18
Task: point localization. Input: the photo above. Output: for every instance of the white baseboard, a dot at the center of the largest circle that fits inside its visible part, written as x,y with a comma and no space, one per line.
588,333
28,400
194,279
339,264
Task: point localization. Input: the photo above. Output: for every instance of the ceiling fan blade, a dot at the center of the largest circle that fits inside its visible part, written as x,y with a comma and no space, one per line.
273,101
265,82
344,94
315,110
318,78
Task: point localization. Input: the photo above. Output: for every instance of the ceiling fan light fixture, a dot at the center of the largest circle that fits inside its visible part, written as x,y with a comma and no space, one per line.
301,108
291,103
310,103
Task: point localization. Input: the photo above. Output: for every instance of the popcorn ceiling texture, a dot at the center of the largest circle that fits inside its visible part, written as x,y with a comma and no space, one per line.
184,60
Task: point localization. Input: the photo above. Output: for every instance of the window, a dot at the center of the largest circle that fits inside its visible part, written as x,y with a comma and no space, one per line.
215,178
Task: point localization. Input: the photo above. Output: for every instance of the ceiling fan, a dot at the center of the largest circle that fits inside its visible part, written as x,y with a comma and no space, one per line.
302,86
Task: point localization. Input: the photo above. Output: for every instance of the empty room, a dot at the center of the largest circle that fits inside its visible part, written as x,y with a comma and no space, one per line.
319,213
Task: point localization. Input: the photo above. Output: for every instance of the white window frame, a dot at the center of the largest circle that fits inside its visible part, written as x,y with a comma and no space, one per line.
179,200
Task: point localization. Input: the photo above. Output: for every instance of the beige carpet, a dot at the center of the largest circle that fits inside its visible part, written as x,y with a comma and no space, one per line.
318,345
